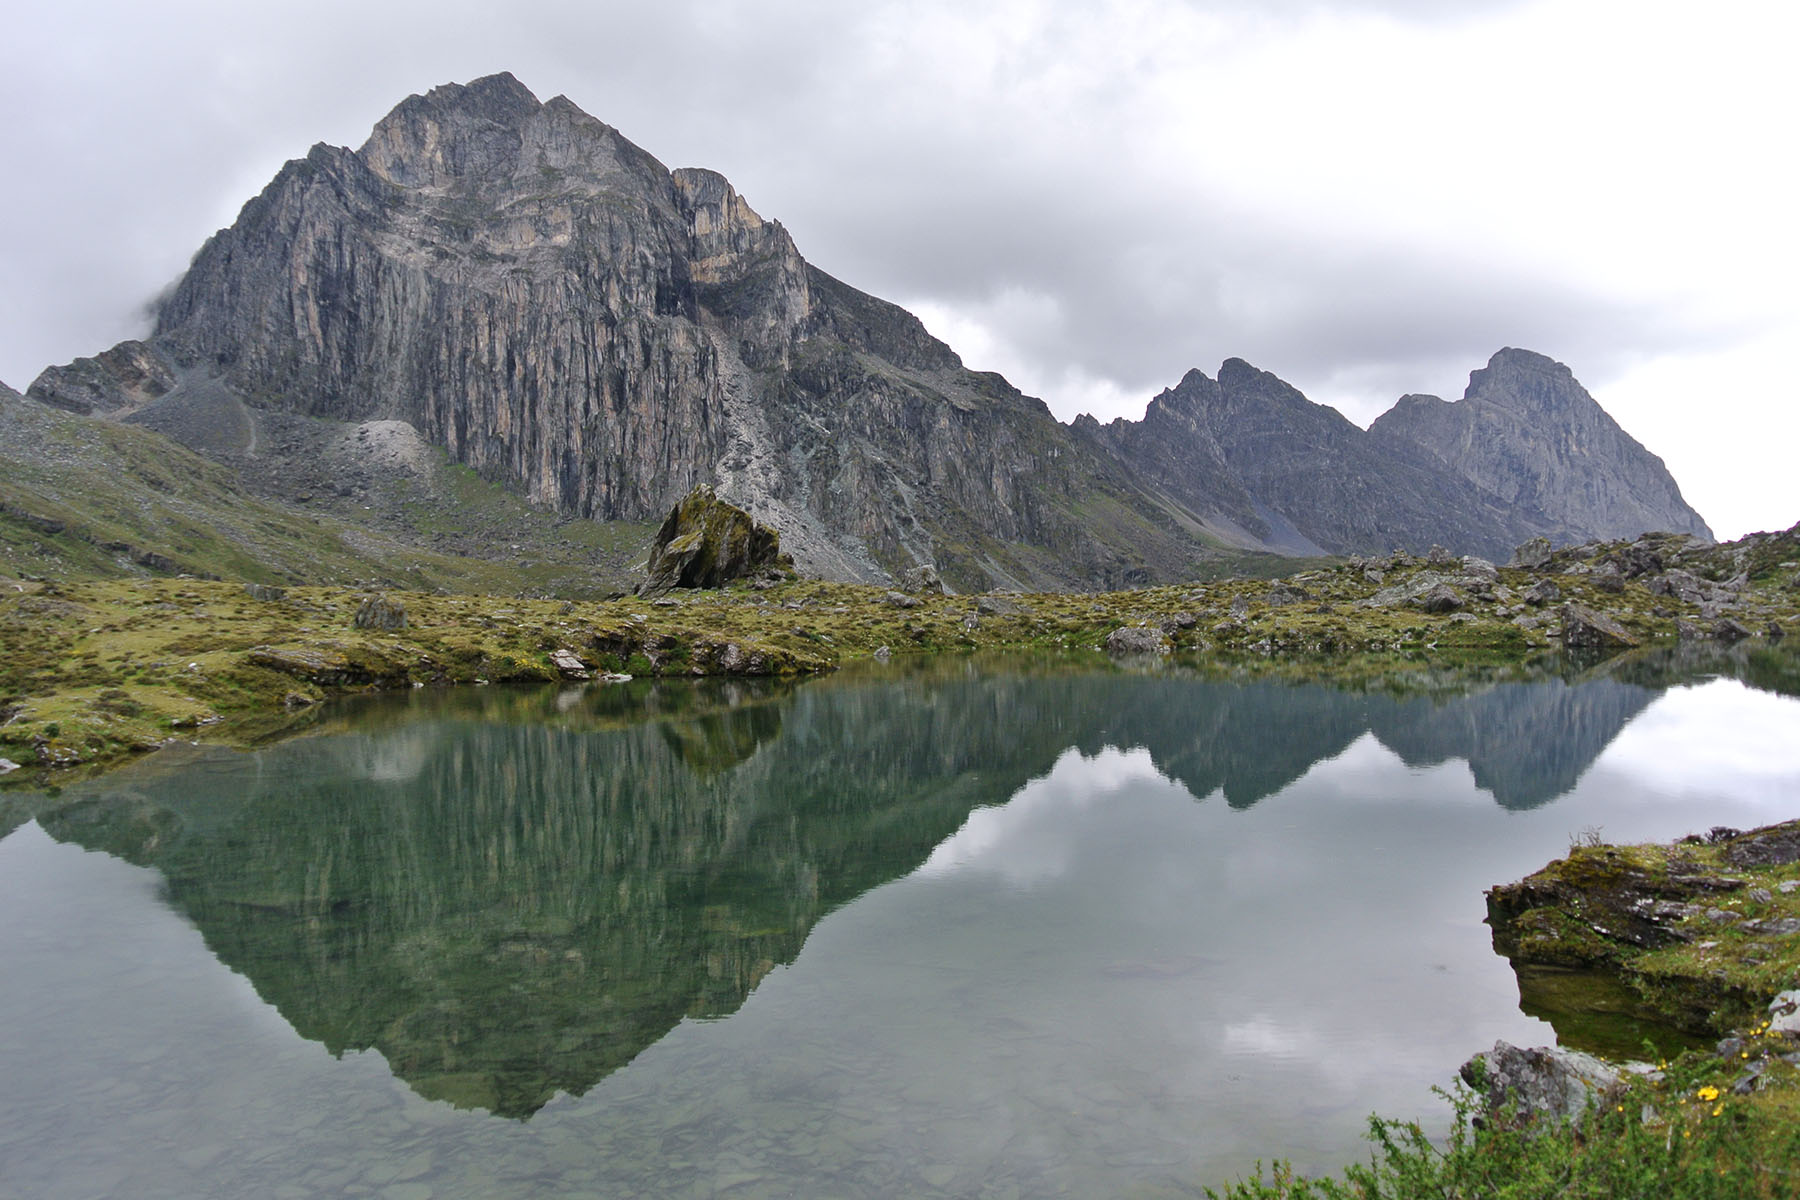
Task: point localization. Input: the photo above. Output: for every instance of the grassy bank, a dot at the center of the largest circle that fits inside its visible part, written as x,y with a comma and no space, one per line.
93,670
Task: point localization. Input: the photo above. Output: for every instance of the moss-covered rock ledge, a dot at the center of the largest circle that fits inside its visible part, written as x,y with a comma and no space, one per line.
1705,932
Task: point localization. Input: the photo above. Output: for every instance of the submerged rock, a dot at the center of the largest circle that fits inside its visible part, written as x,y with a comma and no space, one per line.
707,543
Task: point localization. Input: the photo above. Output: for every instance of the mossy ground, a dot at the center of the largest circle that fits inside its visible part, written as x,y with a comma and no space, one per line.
94,669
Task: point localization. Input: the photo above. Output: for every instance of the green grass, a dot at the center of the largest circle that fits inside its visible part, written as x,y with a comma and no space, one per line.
1679,1134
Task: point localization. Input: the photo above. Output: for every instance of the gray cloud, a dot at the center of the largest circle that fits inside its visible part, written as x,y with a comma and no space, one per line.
141,132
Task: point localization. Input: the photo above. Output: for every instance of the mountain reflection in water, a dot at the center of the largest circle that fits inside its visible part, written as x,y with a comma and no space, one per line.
513,894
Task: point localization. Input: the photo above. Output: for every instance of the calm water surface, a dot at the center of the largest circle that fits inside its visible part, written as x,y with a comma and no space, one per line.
960,932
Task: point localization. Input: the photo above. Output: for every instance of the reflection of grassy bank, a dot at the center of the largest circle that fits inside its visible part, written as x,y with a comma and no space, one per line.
1697,936
95,670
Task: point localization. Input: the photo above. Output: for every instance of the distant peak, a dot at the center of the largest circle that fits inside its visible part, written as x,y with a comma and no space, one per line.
501,91
1525,379
1530,360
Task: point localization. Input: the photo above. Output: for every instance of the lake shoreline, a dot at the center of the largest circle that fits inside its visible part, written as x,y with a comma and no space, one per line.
97,671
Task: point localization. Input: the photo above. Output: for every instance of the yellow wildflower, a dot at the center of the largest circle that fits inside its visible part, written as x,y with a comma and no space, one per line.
1718,1109
1709,1093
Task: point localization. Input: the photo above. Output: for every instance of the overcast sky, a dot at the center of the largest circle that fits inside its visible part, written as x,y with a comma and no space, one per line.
1366,197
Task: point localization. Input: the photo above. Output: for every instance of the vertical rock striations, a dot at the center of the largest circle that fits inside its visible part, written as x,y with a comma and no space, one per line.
557,310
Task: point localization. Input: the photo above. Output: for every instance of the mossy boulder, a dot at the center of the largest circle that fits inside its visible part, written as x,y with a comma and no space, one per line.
1705,931
707,543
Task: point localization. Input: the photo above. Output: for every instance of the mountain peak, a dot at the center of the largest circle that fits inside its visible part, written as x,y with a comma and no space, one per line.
451,132
1525,382
1527,431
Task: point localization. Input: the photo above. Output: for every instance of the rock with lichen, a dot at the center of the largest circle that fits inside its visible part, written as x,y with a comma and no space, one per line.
380,612
706,543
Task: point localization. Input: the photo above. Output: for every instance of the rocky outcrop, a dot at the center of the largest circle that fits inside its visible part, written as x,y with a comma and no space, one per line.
1136,641
122,379
1698,930
1528,433
1585,629
380,613
707,543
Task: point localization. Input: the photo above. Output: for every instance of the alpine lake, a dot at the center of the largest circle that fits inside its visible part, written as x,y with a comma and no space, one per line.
952,927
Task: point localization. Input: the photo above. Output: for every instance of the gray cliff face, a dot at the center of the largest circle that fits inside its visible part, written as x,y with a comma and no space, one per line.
513,279
554,308
1528,433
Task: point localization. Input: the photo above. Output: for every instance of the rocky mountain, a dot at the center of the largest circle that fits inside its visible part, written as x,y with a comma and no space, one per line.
1526,432
512,287
555,309
1254,453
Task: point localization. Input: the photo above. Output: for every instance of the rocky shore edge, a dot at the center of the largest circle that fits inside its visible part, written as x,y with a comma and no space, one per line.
96,670
1706,932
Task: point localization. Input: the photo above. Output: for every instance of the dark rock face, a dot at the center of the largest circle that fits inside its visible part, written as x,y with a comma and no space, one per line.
1526,1087
1526,432
707,543
128,376
1533,555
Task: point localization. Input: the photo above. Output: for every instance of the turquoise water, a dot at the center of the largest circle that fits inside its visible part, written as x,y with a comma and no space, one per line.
957,931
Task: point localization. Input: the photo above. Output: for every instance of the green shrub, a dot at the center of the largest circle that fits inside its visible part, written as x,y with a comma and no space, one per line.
1675,1139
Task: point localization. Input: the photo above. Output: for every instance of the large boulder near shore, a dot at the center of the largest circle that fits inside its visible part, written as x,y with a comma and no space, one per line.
1585,629
1133,641
1530,1087
707,543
